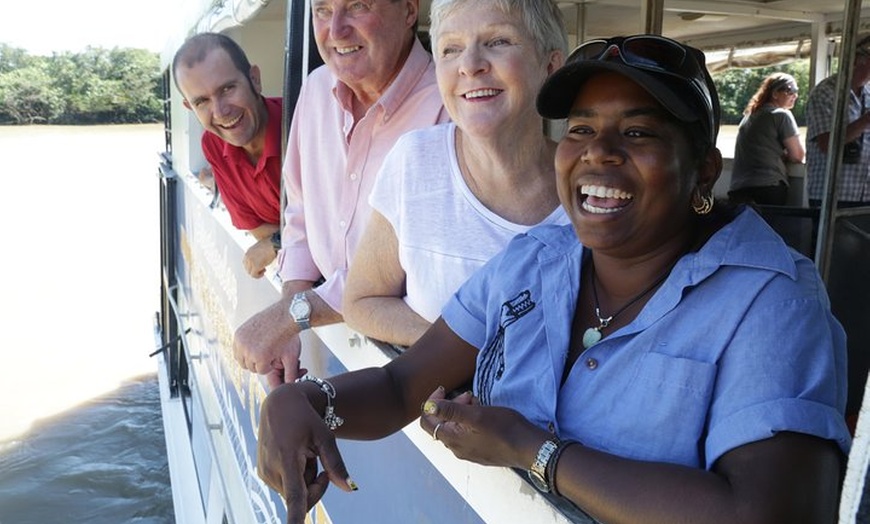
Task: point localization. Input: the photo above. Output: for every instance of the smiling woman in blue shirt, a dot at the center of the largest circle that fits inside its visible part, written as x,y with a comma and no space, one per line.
664,358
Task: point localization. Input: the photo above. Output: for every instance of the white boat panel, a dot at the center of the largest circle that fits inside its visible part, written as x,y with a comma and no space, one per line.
858,465
186,498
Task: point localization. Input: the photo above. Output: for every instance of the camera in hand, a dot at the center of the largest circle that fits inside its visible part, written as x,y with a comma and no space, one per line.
852,151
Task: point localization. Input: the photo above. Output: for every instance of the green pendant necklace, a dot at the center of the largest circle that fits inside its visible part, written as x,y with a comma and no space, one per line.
593,333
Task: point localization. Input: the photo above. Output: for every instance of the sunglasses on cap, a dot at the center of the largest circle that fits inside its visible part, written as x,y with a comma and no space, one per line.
785,85
656,54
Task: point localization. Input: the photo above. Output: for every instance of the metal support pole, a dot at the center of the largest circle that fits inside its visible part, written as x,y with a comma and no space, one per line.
820,62
581,24
652,12
827,216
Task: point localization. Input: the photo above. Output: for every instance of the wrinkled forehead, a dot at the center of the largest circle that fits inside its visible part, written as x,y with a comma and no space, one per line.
345,3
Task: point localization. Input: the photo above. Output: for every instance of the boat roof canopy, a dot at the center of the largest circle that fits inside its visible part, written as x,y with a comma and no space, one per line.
733,33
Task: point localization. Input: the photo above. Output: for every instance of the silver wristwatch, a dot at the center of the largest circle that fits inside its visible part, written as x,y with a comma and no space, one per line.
300,310
538,471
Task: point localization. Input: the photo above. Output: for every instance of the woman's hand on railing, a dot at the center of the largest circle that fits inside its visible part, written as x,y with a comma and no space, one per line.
292,439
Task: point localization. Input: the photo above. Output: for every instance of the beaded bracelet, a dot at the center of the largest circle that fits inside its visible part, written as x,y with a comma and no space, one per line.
553,462
331,420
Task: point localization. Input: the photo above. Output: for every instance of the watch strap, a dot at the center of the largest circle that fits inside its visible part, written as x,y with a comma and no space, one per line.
539,468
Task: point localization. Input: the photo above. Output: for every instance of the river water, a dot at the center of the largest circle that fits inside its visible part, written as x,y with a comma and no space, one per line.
81,438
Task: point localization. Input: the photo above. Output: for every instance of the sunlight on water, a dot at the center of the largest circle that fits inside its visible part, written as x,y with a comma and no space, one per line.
80,267
100,463
80,434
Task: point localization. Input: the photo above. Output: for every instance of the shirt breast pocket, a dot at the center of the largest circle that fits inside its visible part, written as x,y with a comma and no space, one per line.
666,399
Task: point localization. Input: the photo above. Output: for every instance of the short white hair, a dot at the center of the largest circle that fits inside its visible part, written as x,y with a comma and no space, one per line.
542,19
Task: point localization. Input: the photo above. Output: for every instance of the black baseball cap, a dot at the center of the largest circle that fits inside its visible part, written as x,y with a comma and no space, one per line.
673,73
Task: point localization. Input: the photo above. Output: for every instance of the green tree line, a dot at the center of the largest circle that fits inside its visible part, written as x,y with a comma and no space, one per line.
736,87
124,85
96,86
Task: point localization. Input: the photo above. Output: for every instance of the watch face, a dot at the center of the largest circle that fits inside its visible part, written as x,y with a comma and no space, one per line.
300,309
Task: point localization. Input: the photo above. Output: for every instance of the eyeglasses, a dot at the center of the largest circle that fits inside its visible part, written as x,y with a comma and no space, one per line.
656,54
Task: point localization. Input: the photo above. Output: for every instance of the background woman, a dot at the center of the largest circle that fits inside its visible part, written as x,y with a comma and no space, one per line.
767,140
450,197
663,359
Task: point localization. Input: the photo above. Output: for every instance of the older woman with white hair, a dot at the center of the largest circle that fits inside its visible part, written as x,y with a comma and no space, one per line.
450,197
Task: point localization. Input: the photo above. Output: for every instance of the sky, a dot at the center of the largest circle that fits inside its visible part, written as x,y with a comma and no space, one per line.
45,26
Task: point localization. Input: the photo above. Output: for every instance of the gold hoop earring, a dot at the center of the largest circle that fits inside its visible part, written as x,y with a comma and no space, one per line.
702,204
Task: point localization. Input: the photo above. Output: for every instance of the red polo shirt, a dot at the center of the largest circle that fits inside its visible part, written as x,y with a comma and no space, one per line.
252,194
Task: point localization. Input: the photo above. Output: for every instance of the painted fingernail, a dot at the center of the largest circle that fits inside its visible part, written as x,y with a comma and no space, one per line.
352,484
430,407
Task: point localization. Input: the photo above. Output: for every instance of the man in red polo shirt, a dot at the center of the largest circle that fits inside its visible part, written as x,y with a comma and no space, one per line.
242,139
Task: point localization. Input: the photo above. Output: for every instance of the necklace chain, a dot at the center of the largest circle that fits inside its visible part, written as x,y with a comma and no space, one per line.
593,334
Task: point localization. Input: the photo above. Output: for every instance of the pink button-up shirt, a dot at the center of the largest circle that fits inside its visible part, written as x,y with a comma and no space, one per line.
331,165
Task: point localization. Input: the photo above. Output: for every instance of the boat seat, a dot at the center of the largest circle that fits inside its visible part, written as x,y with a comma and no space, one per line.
849,289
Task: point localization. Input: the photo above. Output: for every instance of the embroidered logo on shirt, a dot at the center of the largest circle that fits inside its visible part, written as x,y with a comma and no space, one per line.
492,359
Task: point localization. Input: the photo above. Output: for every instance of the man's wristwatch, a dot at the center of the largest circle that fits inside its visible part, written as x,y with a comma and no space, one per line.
276,240
538,471
300,310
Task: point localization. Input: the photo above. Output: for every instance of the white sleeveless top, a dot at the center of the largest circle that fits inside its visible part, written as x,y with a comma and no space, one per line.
444,232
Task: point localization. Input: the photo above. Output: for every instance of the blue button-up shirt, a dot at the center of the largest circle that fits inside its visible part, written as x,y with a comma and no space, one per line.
738,344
